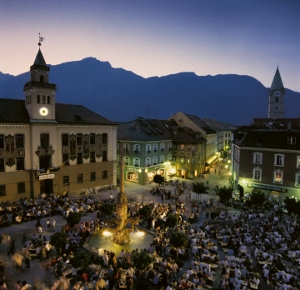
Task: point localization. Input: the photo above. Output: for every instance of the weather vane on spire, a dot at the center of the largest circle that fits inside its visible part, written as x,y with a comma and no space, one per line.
40,39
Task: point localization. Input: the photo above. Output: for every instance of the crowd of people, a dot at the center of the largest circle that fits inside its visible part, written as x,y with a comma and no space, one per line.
242,250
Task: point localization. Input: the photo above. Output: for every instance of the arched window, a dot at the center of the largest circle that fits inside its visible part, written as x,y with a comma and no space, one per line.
44,99
136,162
48,100
38,99
162,146
154,160
126,160
161,159
148,162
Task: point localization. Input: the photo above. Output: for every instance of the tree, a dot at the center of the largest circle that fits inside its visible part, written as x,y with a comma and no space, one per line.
224,193
81,258
142,260
158,179
107,208
145,211
291,205
257,197
179,239
199,188
172,220
58,240
73,218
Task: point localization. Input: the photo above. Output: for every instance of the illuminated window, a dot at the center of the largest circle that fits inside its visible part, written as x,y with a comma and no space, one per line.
182,147
257,158
257,174
297,179
279,160
291,140
278,177
181,160
298,161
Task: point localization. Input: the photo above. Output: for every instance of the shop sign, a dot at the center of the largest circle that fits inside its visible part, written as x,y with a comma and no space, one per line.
267,187
47,176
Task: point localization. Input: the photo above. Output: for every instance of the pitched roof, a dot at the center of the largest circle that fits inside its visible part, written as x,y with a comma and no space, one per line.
142,129
14,111
277,83
262,138
39,59
198,122
218,125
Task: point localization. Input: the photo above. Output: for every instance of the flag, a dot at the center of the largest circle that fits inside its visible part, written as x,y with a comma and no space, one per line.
53,169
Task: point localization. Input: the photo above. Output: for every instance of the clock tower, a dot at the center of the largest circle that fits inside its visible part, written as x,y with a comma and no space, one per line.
39,93
276,98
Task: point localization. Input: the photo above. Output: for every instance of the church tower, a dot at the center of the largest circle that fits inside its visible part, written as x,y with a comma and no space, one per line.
39,93
276,98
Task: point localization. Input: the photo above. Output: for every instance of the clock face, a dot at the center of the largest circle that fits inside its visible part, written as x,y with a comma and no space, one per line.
43,111
277,93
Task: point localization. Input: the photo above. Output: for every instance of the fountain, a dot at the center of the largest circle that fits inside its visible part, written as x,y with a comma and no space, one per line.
121,229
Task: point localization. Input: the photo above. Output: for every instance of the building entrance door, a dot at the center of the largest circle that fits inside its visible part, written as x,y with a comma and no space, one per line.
46,186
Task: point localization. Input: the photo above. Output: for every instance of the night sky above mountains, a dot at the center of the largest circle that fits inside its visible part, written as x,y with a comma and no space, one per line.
157,38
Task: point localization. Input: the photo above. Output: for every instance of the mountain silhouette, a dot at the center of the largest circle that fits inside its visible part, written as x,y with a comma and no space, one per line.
121,95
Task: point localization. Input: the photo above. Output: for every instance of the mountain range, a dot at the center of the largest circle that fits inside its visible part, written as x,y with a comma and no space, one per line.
121,95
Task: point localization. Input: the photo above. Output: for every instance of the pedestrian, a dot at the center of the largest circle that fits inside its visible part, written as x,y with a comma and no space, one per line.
48,225
38,226
3,285
27,258
53,224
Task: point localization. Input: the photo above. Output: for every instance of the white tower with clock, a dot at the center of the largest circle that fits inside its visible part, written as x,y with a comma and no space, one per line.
276,98
39,93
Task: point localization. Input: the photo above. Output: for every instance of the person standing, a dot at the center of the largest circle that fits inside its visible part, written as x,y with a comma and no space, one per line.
48,225
27,258
38,226
53,224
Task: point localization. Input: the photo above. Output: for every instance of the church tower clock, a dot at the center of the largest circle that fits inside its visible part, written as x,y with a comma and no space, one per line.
276,98
39,93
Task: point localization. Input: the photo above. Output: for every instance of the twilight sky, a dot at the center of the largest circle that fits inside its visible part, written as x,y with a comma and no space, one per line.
157,37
